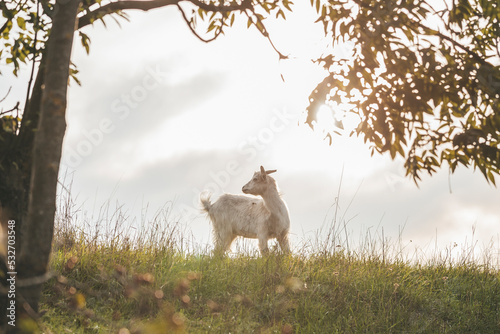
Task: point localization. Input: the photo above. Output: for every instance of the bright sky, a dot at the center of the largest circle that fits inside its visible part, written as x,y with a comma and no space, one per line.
160,116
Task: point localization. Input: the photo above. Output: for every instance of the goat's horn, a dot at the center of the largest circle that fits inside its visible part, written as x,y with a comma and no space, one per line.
271,171
262,170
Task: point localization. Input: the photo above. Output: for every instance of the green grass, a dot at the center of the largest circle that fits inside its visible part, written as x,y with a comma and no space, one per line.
102,290
108,282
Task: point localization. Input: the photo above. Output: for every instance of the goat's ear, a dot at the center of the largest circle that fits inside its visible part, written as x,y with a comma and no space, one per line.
263,173
271,171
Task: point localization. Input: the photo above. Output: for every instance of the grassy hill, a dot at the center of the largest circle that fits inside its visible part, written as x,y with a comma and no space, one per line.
113,285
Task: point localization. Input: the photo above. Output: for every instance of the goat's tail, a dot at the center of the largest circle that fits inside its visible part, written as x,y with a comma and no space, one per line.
205,201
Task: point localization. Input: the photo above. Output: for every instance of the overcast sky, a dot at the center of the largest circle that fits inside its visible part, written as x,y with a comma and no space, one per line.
160,116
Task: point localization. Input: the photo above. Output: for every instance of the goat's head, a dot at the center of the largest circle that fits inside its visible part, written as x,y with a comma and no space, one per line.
259,183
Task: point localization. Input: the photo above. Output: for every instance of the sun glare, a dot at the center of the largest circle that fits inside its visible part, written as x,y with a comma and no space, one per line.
325,120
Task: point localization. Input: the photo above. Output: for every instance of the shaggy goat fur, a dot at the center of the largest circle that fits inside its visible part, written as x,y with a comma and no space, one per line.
250,217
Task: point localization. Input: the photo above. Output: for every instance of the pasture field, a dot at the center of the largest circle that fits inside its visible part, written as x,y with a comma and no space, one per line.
108,283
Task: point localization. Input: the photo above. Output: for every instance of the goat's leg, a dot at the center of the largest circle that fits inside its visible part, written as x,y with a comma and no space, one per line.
228,241
284,243
263,245
220,242
218,249
223,242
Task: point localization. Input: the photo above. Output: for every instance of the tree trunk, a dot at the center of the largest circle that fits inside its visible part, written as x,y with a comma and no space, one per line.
37,230
16,161
15,176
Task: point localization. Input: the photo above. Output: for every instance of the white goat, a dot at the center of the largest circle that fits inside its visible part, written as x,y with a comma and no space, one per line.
250,217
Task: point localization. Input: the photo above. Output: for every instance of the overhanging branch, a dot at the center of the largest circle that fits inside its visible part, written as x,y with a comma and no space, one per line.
262,29
209,6
194,31
113,7
146,5
222,8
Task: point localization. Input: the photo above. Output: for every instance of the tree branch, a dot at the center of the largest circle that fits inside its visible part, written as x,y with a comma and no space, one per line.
4,26
194,31
434,32
113,7
146,5
16,107
471,53
221,8
7,94
3,6
262,29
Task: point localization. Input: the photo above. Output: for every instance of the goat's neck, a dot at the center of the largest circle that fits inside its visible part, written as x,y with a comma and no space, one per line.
275,204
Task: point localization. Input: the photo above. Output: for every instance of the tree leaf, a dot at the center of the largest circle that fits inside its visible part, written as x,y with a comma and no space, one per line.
21,22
